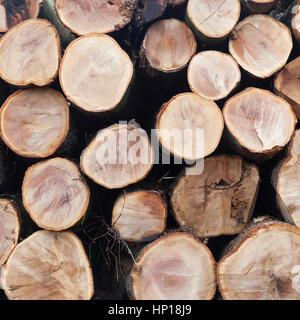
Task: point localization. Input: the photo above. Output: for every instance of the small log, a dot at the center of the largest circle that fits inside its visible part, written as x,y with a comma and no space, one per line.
168,46
54,194
105,70
258,51
189,127
48,266
177,266
213,20
49,11
259,6
285,180
213,74
140,215
259,123
34,122
9,229
14,12
286,84
84,17
220,200
30,53
149,11
120,155
295,22
262,264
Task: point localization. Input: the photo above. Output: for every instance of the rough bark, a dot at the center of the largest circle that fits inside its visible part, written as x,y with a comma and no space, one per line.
149,11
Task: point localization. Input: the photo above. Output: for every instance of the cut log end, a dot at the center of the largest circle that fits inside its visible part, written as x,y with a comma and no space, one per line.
213,19
14,12
189,126
259,6
287,183
9,229
213,75
92,16
120,155
265,265
56,268
175,267
296,23
140,215
54,194
258,51
287,82
169,45
251,115
95,73
30,53
220,200
34,122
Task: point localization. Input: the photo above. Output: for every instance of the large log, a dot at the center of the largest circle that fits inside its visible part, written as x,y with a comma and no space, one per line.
118,156
93,16
14,12
213,74
218,201
48,266
168,46
140,215
30,53
258,51
34,122
286,182
54,194
262,264
95,73
213,20
189,127
9,229
177,266
286,84
259,123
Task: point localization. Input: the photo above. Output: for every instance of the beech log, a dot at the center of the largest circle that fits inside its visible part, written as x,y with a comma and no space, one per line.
286,181
30,53
14,12
259,6
118,156
220,200
9,229
287,82
256,49
168,46
34,122
48,265
177,266
139,215
54,194
213,75
263,263
259,123
93,16
213,20
95,73
179,120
